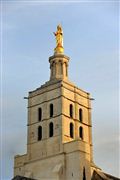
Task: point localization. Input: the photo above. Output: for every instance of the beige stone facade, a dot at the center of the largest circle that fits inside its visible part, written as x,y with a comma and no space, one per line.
62,150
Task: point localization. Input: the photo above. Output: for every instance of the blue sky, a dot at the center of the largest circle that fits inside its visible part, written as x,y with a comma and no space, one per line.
91,42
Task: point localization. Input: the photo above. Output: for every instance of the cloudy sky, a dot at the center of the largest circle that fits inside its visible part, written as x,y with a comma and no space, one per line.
90,40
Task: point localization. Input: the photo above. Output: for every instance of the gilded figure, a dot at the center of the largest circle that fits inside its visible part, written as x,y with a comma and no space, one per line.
59,39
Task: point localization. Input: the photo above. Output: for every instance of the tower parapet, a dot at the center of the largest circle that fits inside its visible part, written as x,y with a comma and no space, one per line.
59,66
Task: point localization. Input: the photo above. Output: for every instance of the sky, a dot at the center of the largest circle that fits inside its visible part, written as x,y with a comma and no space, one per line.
90,40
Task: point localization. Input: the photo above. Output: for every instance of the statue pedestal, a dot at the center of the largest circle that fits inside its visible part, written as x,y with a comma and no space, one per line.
59,50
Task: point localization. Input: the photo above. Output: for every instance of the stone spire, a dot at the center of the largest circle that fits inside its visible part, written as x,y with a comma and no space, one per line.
59,61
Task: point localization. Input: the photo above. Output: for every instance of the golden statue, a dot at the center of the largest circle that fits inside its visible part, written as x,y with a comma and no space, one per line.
59,40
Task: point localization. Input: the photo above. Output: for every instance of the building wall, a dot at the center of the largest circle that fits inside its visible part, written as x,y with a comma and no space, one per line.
42,98
51,168
58,157
76,162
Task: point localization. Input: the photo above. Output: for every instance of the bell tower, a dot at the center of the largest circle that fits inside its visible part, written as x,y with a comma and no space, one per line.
59,143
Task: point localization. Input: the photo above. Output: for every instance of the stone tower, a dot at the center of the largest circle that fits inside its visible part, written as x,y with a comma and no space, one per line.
59,143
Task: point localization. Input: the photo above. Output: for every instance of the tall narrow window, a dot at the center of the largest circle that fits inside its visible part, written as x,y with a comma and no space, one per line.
80,115
51,129
39,133
81,132
51,110
84,174
71,110
71,130
39,114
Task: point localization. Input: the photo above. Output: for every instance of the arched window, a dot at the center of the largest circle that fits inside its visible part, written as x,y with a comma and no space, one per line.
39,133
71,110
80,115
71,130
84,174
51,129
39,114
51,110
81,132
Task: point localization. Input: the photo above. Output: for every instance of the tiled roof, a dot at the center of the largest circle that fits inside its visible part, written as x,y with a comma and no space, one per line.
99,175
21,178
